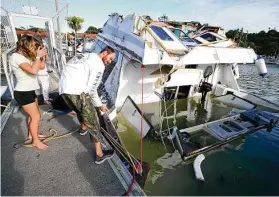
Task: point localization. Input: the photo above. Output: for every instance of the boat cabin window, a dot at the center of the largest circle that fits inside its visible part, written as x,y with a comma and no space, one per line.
161,33
176,32
183,92
182,35
191,66
209,37
187,39
171,93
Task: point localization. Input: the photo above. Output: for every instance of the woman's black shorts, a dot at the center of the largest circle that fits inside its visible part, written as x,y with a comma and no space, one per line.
25,97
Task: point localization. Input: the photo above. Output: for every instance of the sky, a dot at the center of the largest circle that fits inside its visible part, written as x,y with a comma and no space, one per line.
252,15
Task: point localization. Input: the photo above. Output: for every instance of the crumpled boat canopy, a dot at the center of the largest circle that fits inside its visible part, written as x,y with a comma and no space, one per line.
151,42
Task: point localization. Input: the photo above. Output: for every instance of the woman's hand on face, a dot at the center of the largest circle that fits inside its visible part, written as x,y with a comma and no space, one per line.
44,58
41,52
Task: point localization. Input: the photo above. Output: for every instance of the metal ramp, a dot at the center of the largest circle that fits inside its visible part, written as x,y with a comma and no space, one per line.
232,127
223,131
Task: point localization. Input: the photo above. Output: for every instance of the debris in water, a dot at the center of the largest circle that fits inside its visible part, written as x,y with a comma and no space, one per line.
197,167
121,128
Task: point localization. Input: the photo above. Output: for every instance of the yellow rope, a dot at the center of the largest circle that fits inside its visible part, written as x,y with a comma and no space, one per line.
53,135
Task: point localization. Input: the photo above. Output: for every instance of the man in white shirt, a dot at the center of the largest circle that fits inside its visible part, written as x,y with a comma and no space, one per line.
78,87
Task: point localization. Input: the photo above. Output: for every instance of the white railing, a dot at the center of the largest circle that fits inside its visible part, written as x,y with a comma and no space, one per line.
8,69
60,60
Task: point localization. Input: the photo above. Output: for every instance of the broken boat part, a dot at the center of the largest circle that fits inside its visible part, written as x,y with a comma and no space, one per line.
197,167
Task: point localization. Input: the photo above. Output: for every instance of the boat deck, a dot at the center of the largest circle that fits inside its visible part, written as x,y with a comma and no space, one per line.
65,168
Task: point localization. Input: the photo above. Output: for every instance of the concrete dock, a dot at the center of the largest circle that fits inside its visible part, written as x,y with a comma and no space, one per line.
65,168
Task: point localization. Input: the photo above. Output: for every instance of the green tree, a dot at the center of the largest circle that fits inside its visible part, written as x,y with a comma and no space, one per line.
233,34
264,43
74,23
251,45
32,28
272,33
42,30
92,30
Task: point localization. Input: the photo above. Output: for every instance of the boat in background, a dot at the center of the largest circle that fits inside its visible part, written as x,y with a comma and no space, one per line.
271,59
203,35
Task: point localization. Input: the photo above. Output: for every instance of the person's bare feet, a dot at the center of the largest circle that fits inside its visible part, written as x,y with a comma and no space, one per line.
40,145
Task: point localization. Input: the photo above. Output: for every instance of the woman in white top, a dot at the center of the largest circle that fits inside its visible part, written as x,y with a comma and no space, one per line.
26,63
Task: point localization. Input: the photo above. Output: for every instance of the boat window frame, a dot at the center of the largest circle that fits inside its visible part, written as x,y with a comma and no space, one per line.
182,35
205,36
162,35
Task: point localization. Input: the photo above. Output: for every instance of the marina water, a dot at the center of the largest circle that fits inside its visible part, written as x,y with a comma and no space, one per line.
249,166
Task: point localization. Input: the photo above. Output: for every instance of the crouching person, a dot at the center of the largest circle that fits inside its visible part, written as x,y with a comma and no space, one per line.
78,87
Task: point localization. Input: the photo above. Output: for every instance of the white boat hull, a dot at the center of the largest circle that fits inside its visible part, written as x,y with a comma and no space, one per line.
243,100
236,102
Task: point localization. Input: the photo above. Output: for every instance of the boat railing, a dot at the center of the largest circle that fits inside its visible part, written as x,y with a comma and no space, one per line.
60,60
8,69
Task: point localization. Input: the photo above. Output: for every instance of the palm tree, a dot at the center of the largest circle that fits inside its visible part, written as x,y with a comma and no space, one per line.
74,23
